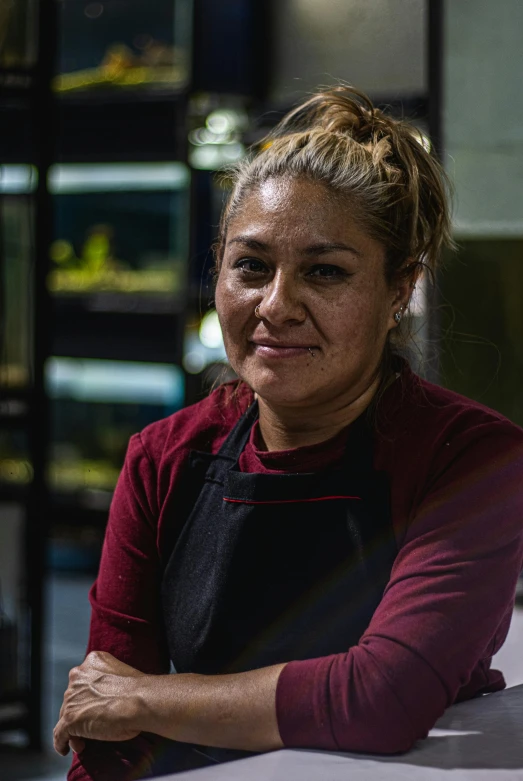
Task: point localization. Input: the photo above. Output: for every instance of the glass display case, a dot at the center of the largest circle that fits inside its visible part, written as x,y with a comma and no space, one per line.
18,33
122,45
96,406
120,229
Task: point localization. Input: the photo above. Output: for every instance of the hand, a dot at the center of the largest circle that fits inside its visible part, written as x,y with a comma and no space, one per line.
100,703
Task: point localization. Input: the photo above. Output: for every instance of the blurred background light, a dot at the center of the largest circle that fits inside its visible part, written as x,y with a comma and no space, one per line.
18,179
90,177
210,331
124,382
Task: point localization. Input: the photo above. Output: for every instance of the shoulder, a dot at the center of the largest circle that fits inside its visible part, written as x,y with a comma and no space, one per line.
434,416
201,426
431,439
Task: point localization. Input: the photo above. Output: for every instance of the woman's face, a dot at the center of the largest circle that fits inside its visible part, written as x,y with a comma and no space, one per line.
295,251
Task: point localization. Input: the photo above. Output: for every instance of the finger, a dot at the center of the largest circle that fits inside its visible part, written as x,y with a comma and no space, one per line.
61,739
77,745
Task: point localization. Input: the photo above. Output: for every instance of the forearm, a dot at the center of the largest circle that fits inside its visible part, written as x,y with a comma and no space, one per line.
226,711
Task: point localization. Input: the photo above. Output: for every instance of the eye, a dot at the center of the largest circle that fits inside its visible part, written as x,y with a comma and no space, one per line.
326,271
250,265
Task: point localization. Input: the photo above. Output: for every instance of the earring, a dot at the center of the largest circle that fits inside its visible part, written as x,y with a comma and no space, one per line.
257,312
399,315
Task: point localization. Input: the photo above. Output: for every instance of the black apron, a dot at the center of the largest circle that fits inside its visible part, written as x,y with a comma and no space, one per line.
274,568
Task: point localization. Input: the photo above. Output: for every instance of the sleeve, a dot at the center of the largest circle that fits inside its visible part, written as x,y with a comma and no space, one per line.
445,611
126,618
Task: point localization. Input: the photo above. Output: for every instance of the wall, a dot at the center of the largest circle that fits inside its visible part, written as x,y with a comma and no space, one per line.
483,115
378,46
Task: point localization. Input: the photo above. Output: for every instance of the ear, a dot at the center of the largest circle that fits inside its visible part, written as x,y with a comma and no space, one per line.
401,294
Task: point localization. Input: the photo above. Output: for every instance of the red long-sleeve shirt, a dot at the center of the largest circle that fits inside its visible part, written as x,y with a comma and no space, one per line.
456,481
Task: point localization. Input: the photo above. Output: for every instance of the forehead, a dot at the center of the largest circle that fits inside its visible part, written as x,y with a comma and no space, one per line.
295,208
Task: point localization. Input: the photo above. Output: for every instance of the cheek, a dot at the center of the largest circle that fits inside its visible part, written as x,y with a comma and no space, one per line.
357,323
227,301
233,311
233,296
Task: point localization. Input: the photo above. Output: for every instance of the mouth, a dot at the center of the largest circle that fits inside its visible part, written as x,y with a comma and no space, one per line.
271,350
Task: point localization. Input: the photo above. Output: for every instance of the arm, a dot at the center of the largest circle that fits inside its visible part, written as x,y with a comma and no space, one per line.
125,619
445,611
110,701
227,711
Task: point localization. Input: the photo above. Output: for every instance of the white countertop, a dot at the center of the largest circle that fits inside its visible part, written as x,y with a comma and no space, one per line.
478,739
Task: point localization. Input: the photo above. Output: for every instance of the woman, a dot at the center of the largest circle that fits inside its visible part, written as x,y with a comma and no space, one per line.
327,550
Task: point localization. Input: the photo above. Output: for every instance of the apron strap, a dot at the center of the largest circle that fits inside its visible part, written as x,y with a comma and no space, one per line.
213,467
233,446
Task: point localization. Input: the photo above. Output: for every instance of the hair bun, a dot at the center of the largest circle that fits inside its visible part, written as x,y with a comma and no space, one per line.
342,109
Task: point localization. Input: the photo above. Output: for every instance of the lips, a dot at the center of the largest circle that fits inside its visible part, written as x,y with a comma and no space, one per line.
280,350
281,345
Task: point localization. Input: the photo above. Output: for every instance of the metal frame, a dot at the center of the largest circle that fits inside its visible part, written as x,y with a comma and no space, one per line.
37,511
435,41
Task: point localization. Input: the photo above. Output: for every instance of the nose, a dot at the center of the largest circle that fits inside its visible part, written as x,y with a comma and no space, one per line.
281,303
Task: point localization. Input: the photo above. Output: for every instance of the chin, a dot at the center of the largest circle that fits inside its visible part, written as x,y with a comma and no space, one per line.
284,386
282,393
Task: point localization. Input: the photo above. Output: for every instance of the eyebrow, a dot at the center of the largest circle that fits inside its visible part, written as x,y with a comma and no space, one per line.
313,249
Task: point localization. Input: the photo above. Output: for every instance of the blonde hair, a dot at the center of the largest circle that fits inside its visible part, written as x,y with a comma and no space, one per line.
381,165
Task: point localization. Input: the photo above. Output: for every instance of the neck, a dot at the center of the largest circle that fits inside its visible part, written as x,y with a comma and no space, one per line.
286,428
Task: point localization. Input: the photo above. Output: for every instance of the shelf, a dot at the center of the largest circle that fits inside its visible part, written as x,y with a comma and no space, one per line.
86,505
112,130
13,404
117,335
13,712
19,82
77,507
12,492
13,421
16,698
14,407
94,302
14,723
88,508
102,96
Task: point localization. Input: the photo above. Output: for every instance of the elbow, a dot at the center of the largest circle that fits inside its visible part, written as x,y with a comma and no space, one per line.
382,730
397,743
381,742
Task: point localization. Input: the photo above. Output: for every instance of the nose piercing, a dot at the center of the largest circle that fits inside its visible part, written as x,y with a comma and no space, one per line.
257,312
